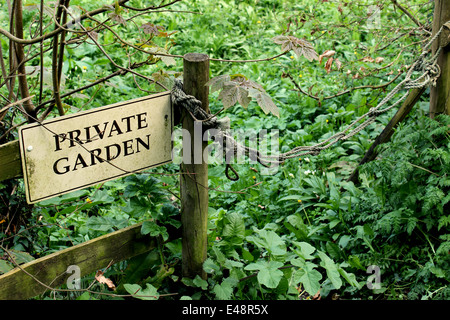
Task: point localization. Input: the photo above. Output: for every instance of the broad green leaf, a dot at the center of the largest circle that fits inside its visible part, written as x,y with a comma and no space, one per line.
331,268
304,250
270,241
150,227
268,272
307,276
138,267
5,266
20,256
350,277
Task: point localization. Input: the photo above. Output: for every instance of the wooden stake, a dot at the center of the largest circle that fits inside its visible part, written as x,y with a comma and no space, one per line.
194,175
412,98
440,95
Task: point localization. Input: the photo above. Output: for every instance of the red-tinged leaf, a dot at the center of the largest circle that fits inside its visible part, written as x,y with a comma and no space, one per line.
243,97
299,46
150,28
117,18
328,65
280,39
217,83
264,101
229,94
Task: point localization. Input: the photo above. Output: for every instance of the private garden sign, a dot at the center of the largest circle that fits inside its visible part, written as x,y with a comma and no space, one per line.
76,151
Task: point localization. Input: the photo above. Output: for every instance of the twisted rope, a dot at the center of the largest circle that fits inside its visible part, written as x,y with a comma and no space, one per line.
430,73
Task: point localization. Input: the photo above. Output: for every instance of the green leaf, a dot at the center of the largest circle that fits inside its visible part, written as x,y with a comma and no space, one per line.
200,283
20,256
304,250
307,275
349,277
331,268
150,227
224,290
139,266
268,272
149,293
210,266
5,266
270,241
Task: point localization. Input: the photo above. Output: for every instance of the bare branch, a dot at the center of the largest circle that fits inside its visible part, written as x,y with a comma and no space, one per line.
58,30
151,7
417,22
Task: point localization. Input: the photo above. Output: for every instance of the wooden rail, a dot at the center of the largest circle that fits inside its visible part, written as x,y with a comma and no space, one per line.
10,163
89,256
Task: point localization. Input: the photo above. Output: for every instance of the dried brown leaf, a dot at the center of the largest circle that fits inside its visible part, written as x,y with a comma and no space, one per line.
328,65
99,276
326,54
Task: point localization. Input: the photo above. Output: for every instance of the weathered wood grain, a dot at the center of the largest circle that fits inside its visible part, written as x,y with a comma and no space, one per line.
89,256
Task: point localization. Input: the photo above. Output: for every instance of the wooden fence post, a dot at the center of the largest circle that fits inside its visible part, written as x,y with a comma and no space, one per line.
194,174
439,95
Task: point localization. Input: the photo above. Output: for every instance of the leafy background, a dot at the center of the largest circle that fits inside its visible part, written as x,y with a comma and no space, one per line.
303,232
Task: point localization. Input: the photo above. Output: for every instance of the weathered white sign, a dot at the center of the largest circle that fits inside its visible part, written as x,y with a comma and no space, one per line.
75,151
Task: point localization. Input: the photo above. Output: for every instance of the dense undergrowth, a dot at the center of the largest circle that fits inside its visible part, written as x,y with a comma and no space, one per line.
304,229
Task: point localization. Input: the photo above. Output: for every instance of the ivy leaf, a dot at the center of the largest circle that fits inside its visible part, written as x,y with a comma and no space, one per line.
304,250
300,47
